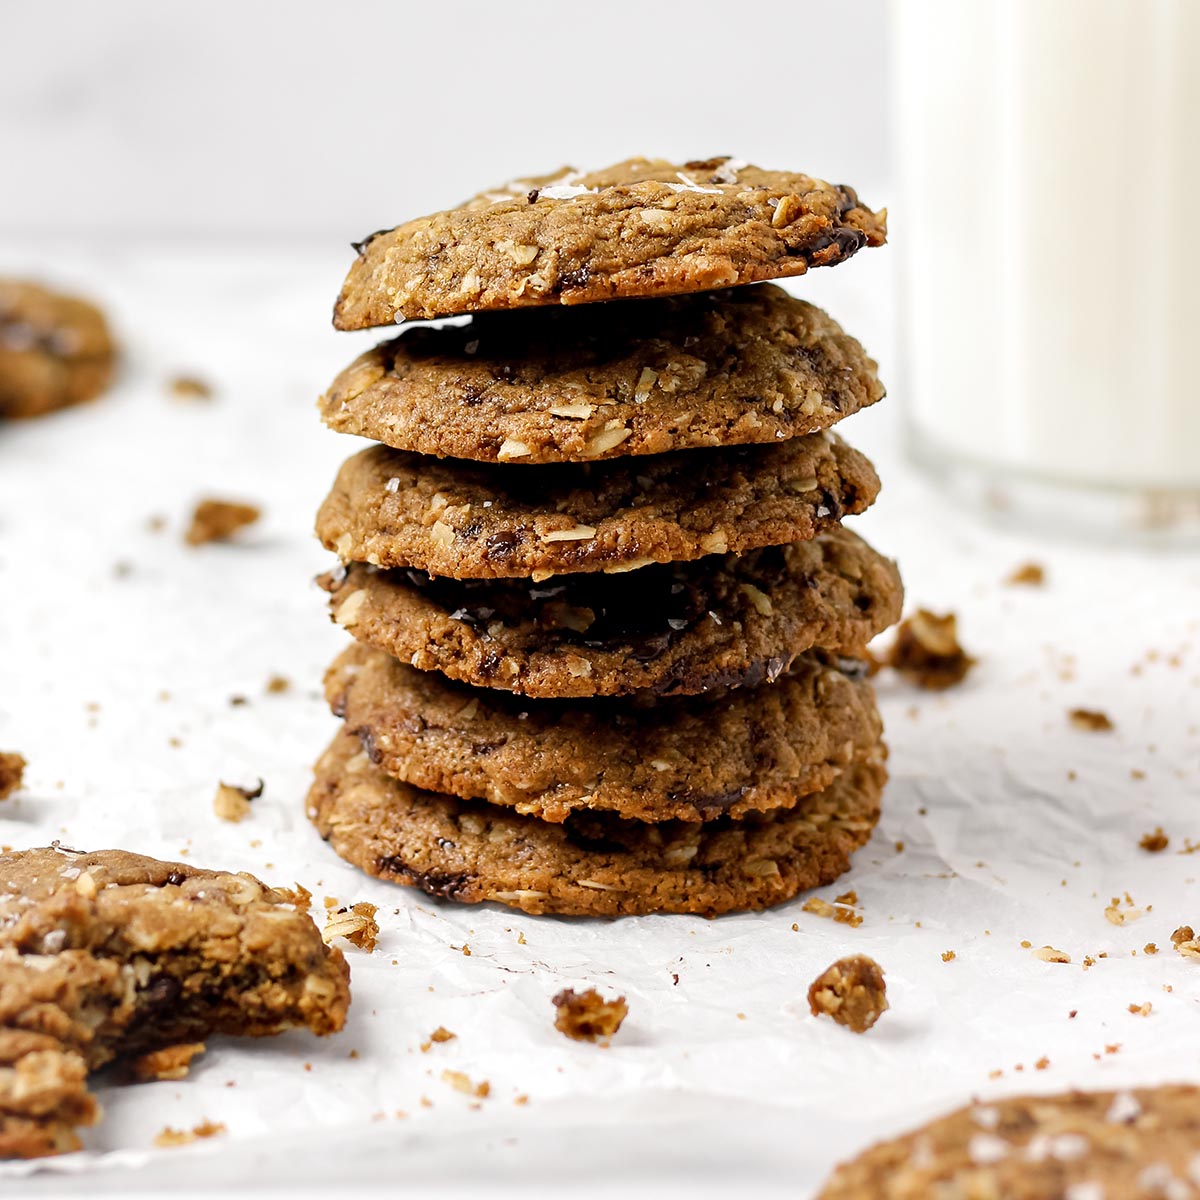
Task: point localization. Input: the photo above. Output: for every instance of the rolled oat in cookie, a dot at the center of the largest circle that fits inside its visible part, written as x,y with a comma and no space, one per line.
391,508
680,629
691,758
113,957
745,365
592,864
644,227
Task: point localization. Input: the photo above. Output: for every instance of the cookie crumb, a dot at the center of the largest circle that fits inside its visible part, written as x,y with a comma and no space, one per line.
1141,1010
12,771
948,956
277,685
1041,1064
927,652
587,1016
1156,841
851,991
171,1062
442,1034
217,520
356,924
182,1137
1029,574
189,387
232,803
1185,942
461,1082
1090,720
1116,915
1051,955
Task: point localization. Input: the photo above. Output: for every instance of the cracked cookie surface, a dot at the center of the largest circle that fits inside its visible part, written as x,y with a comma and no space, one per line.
691,759
108,956
677,629
638,228
55,350
746,365
593,864
1134,1144
466,520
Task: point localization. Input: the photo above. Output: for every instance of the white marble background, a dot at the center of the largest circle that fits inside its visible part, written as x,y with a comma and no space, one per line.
336,117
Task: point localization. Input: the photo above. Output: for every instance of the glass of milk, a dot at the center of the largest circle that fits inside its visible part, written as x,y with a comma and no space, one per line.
1048,229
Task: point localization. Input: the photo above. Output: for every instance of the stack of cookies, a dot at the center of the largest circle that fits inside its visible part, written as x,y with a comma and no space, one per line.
610,632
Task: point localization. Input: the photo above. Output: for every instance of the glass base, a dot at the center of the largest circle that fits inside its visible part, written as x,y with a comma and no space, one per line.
1144,516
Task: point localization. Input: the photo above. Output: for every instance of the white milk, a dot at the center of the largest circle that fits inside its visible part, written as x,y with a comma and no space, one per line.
1048,222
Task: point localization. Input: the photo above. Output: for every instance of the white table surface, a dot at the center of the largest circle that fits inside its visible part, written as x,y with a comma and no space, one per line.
1015,825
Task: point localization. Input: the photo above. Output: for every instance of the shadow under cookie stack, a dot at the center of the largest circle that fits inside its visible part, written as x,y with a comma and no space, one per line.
610,632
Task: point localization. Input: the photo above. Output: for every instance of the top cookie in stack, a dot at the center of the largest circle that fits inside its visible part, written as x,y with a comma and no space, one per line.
609,627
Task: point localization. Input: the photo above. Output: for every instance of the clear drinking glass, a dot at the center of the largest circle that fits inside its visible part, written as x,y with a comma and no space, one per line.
1048,228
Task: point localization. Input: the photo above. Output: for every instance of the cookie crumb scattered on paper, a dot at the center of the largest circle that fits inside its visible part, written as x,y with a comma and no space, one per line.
587,1016
217,520
1090,720
1156,841
1051,955
183,1137
12,770
1185,942
461,1082
927,653
356,924
189,387
851,991
232,803
1029,574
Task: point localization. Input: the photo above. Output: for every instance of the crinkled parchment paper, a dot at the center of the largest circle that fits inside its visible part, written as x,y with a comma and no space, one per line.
1014,826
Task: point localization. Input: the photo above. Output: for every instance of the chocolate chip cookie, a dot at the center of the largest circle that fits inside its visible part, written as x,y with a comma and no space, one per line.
108,956
689,759
675,629
723,368
392,508
55,350
638,228
592,864
1134,1144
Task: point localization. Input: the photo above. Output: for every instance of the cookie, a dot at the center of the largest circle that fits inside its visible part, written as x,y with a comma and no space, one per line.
676,629
392,508
1075,1146
690,759
592,864
638,228
107,956
43,1087
725,368
55,350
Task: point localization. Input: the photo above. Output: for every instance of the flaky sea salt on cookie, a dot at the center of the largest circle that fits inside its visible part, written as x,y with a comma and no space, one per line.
1139,1144
639,228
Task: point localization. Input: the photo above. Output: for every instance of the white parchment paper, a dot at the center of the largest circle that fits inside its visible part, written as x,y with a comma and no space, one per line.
116,680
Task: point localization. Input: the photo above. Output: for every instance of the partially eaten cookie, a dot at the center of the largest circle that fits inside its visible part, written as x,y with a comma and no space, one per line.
112,957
